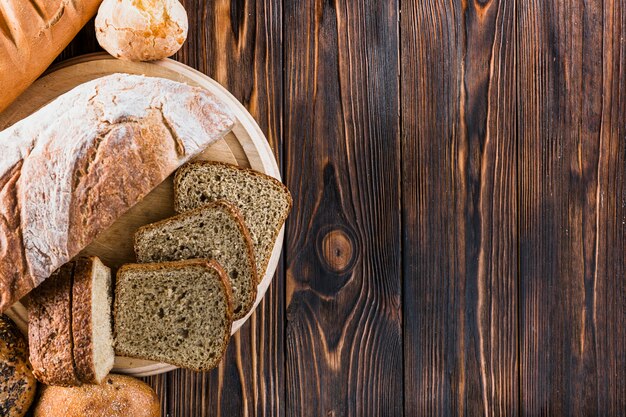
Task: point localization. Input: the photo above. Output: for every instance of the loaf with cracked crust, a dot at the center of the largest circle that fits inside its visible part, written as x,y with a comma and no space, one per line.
32,34
72,168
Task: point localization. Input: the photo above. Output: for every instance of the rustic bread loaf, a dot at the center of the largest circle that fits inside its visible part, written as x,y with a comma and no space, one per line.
50,330
32,35
116,396
91,320
17,383
263,201
214,231
174,312
73,167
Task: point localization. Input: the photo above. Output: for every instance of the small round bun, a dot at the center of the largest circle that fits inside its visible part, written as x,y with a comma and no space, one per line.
17,383
141,30
116,396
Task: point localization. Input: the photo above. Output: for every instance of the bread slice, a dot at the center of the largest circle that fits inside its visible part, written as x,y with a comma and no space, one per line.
50,330
91,320
215,231
263,201
174,312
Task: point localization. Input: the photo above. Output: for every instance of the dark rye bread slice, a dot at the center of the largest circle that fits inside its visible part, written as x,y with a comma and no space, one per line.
91,320
263,201
174,312
50,330
215,231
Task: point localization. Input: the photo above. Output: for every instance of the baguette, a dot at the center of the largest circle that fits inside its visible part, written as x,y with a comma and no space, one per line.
72,168
32,34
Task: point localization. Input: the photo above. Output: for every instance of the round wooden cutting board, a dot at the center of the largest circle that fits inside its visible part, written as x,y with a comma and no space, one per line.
245,146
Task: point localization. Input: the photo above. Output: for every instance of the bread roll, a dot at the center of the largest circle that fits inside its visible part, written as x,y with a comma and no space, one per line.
17,383
32,34
69,170
117,396
141,30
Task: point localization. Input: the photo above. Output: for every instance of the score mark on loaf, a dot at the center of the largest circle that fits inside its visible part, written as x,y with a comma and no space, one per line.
69,170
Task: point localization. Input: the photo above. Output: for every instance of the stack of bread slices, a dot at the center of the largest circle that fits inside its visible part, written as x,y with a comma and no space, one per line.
196,272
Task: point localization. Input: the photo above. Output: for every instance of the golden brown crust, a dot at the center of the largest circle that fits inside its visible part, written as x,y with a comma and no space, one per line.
81,320
233,212
210,264
17,383
50,330
181,171
42,33
117,396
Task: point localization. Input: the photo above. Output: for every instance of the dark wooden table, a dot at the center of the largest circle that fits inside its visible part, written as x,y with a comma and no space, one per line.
457,244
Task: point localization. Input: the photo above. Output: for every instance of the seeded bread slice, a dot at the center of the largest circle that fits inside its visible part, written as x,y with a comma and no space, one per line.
215,231
174,312
91,320
50,330
263,201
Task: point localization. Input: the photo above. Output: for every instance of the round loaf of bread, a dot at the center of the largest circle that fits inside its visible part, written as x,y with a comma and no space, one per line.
17,383
116,396
141,30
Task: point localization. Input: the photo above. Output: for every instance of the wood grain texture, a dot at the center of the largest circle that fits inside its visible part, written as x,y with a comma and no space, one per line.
572,131
498,286
238,43
460,208
344,346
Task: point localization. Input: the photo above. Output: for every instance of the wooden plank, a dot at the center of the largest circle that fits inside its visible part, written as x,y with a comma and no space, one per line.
239,45
572,126
460,208
343,341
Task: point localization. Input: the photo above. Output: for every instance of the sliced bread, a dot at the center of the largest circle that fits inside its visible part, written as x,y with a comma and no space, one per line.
50,330
263,201
91,320
174,312
215,231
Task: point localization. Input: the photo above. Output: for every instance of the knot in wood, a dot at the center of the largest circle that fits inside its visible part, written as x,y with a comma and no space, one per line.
336,250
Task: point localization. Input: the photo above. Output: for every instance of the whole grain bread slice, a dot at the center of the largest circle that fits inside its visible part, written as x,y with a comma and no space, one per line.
174,312
91,320
215,231
263,201
50,330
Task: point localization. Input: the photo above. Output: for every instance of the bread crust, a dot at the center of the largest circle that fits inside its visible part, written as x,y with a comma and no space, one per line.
210,264
190,165
232,210
50,330
126,135
117,396
31,37
82,320
17,383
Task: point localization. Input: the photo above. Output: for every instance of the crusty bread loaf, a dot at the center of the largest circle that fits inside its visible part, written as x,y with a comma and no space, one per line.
116,396
91,320
263,201
50,330
17,383
215,231
73,167
32,34
174,312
